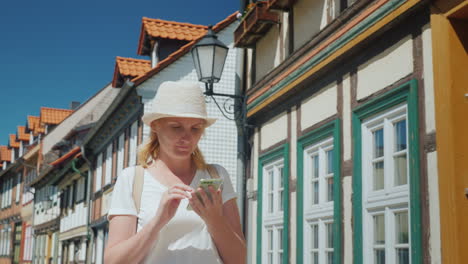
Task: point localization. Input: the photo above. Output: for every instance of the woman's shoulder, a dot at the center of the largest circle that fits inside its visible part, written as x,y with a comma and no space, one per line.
220,169
127,174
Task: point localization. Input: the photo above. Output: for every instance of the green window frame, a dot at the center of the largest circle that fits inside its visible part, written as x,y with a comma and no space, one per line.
406,93
331,129
281,152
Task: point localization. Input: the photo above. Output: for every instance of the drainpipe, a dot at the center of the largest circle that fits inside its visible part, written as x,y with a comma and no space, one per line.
90,235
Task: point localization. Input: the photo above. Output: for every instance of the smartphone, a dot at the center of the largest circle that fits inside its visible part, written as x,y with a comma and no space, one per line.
204,184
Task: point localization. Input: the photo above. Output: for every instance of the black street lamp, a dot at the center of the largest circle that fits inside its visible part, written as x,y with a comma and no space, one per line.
209,56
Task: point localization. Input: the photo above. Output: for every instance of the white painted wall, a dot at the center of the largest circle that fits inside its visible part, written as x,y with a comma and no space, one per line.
319,106
219,143
347,219
428,76
434,207
274,131
269,51
386,68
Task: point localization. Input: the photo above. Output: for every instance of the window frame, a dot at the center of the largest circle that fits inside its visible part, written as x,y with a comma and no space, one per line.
280,153
327,132
406,93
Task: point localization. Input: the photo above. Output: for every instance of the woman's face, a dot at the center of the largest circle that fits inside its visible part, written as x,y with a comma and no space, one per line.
178,137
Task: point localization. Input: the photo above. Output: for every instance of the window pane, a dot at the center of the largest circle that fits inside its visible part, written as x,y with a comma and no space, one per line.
270,239
401,172
379,229
401,222
378,143
402,256
314,233
280,201
330,189
315,192
281,171
329,257
270,202
315,166
271,180
330,161
379,255
315,258
400,135
329,229
378,175
280,237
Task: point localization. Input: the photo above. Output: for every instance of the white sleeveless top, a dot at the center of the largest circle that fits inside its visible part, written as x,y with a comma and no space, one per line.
185,239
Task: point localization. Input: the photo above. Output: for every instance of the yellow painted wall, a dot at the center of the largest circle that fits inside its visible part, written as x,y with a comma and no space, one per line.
450,55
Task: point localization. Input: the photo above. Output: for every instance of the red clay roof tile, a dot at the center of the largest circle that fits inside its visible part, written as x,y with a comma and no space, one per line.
22,135
14,143
183,50
130,68
158,28
5,154
34,125
53,116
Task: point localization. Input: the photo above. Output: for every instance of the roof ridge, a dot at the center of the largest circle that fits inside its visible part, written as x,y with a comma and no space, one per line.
172,22
132,59
59,109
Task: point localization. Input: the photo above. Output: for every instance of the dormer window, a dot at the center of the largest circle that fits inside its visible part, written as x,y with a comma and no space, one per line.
154,54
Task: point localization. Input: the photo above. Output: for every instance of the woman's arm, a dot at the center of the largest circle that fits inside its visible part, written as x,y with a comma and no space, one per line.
223,222
127,246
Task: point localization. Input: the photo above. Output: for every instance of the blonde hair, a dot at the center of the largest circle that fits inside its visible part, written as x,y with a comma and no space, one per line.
149,151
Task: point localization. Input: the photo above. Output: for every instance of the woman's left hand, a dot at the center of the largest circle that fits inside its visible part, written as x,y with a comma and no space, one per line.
210,210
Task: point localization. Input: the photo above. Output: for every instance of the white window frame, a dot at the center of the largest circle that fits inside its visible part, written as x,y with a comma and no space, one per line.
98,173
133,144
321,213
120,153
109,159
273,220
18,187
390,199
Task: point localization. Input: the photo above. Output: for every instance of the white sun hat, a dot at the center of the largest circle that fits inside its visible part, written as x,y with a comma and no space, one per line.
178,99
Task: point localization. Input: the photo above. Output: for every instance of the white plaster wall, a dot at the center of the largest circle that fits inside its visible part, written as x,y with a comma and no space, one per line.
434,208
309,18
219,143
347,140
319,106
274,131
269,51
428,76
347,220
96,105
252,185
386,68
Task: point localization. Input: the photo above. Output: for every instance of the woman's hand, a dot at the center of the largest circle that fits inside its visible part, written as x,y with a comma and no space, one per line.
210,210
170,201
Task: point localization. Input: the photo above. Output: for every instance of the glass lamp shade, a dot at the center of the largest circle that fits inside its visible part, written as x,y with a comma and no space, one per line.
209,55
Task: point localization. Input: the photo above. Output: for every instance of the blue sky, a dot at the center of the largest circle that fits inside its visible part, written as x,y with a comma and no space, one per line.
53,52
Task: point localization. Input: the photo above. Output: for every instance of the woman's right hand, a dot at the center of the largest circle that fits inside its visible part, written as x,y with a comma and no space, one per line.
170,201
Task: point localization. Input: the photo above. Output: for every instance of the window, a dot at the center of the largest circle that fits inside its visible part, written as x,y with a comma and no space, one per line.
120,153
273,209
386,164
18,188
385,189
108,177
133,144
319,204
81,190
98,173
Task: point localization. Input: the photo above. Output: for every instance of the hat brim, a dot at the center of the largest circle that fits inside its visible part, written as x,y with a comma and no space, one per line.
150,117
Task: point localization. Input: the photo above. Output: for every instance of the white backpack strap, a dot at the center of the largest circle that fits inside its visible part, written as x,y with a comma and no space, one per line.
212,171
138,187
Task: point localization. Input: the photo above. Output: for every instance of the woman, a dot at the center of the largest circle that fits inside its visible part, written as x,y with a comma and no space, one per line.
167,231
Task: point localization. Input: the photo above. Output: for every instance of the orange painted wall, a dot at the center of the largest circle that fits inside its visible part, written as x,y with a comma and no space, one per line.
450,57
